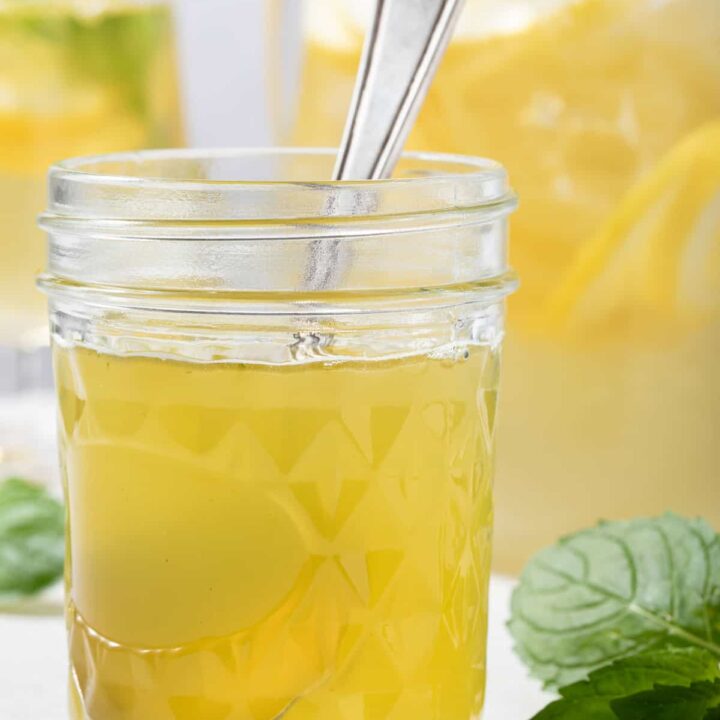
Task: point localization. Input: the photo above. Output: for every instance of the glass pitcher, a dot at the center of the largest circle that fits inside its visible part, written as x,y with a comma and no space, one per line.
76,77
607,115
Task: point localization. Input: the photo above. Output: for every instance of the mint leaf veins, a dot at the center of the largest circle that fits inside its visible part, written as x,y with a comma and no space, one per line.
618,590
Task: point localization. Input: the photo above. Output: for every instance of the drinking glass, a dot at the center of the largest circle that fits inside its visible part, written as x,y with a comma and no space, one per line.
279,496
607,115
76,77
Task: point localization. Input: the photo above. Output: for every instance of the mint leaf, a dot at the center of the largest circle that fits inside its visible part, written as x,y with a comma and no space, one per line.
617,590
700,701
31,538
591,699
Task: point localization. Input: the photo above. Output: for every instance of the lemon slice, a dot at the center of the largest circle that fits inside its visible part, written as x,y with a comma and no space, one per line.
657,256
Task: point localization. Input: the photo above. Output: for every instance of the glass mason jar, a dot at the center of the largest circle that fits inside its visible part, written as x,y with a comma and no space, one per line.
608,120
277,409
76,77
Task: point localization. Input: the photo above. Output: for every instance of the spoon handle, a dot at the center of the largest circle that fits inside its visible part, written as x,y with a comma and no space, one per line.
403,49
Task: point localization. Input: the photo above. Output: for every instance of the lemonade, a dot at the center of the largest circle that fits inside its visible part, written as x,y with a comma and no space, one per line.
76,77
250,541
607,115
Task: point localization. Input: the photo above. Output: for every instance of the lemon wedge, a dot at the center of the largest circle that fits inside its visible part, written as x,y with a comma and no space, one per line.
657,257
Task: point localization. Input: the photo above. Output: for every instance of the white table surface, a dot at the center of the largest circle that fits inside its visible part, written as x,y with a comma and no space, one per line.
33,665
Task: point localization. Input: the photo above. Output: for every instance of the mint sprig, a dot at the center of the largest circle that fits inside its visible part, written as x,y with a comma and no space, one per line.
625,619
31,538
615,591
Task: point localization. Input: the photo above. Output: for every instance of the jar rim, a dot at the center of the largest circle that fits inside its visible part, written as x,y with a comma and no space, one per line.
122,232
236,184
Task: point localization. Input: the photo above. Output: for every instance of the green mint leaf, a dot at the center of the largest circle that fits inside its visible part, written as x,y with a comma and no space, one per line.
700,701
31,538
617,590
591,699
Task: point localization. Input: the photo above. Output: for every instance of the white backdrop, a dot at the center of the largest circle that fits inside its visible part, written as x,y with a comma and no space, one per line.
223,65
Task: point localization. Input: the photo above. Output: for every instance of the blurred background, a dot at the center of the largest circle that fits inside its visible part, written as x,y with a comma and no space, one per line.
606,114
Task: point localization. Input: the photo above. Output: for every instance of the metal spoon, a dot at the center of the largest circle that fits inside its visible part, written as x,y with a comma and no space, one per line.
403,48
